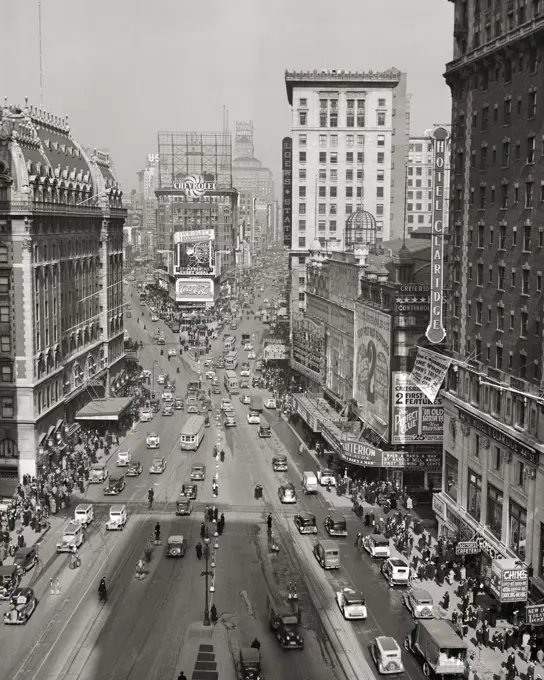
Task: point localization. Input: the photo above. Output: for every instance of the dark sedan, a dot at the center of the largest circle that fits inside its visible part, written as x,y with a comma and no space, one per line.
25,559
134,469
114,486
189,491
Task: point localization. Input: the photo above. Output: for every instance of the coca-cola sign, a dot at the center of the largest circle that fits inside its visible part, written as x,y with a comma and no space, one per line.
194,290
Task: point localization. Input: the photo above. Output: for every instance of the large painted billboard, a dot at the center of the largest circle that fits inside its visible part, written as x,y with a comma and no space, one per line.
415,418
339,365
194,252
372,367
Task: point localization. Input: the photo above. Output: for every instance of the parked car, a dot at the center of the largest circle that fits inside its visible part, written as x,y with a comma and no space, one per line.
352,604
419,603
270,403
22,605
146,415
326,477
25,559
245,398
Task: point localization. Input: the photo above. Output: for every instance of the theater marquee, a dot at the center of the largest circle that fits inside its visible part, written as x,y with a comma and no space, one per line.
435,330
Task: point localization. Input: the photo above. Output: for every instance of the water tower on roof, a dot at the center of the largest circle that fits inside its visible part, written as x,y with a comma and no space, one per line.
361,229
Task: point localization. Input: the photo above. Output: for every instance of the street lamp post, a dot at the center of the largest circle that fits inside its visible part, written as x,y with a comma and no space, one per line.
207,573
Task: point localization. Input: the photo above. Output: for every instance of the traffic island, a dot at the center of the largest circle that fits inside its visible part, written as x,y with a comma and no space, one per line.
204,651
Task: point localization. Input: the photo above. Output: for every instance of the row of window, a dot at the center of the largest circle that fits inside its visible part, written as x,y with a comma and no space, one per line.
332,157
487,160
354,115
418,147
525,237
419,183
333,191
419,207
487,196
419,171
332,140
420,195
333,208
322,224
420,219
333,175
478,317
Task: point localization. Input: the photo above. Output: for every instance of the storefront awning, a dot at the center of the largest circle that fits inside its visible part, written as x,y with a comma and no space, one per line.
41,438
58,426
104,409
50,431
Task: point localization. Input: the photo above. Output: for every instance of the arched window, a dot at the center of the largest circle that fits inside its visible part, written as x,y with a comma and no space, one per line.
9,449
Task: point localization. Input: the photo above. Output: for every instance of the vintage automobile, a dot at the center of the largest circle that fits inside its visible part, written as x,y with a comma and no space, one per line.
9,580
245,371
220,363
419,603
168,396
352,603
178,403
72,537
84,514
98,473
189,491
248,347
397,571
25,559
176,546
155,406
135,469
305,522
326,477
146,415
335,525
251,355
184,506
22,604
114,485
153,441
279,464
287,493
158,466
123,458
245,398
216,389
171,352
377,546
168,409
226,405
387,655
198,472
270,403
117,518
230,420
210,375
439,648
162,378
192,407
250,663
154,318
146,373
253,418
265,431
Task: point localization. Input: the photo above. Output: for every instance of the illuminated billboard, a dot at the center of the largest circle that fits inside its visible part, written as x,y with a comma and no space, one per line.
194,252
194,290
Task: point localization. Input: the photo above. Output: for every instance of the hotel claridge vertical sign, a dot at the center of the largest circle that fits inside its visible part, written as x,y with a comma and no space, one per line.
435,330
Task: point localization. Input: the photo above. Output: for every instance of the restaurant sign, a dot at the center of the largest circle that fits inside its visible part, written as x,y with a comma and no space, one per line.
499,437
468,548
509,581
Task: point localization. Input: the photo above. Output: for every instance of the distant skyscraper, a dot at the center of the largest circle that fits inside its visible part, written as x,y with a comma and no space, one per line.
256,186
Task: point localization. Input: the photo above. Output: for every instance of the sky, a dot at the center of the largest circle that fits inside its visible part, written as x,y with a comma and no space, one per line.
124,69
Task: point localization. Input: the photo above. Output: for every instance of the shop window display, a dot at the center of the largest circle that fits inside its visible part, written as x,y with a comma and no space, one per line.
474,495
494,510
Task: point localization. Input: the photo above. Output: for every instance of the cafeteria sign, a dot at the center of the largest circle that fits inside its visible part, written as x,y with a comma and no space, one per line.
509,581
468,548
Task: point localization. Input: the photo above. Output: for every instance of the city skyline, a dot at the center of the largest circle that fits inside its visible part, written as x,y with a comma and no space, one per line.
139,95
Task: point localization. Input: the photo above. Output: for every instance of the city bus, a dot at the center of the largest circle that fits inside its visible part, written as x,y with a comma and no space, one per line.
231,361
228,343
231,382
192,433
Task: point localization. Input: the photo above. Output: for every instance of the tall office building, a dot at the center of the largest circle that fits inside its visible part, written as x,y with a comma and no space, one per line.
147,184
493,480
255,185
420,175
349,143
61,285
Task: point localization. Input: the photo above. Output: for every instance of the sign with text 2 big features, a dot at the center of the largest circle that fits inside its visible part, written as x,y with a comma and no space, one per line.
435,331
415,418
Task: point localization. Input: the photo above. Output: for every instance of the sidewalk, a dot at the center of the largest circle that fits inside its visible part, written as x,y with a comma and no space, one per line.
486,662
206,654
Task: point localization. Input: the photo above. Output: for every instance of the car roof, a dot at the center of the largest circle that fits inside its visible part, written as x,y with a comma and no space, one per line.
24,551
23,590
306,515
197,466
379,539
420,594
398,562
176,539
98,466
250,655
337,517
387,643
357,596
7,569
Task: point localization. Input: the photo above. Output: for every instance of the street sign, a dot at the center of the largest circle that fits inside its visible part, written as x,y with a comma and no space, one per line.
534,615
468,548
